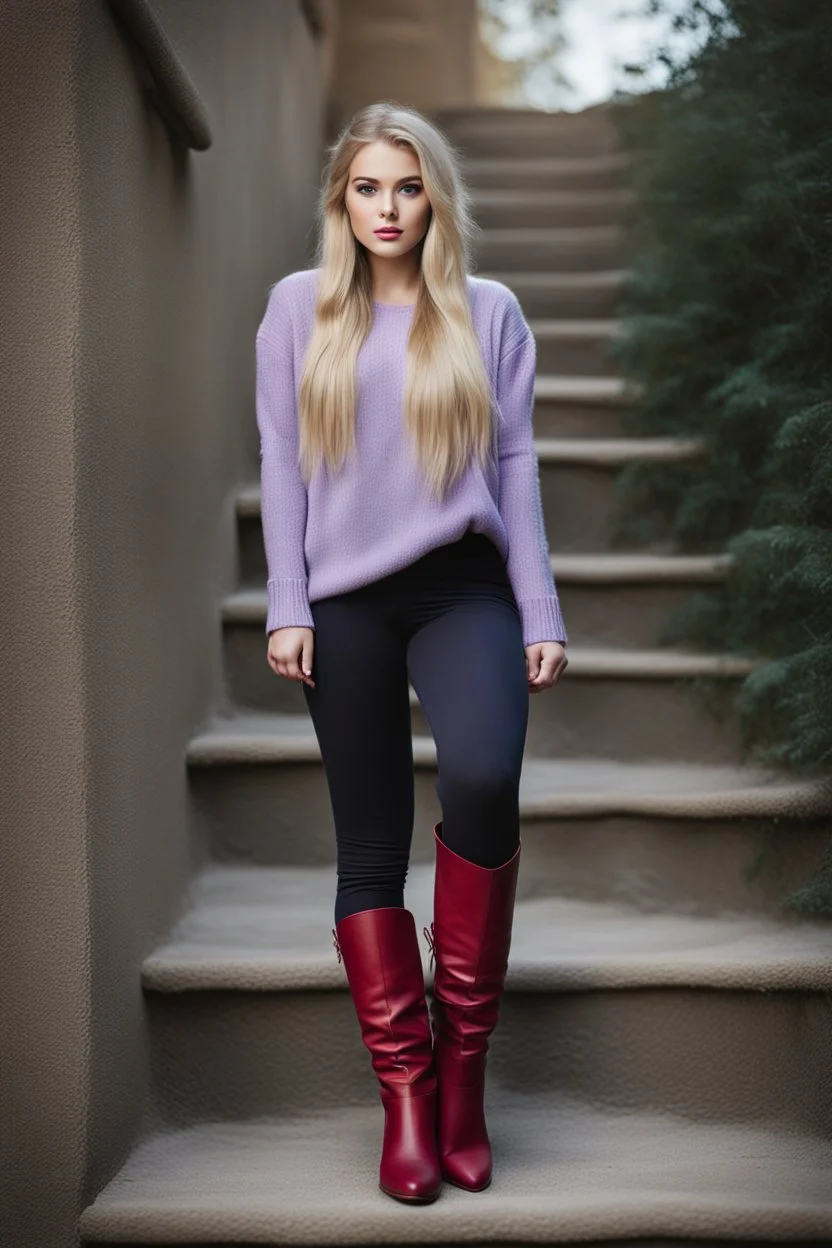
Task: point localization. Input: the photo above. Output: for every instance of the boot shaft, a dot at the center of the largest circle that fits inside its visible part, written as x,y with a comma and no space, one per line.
381,957
471,941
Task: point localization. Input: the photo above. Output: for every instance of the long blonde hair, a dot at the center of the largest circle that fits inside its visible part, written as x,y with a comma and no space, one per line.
448,401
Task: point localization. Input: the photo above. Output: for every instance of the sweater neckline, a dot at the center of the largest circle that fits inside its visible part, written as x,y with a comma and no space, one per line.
394,307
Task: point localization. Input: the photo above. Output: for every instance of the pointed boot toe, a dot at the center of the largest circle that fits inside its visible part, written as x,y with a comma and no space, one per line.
469,1169
465,1149
410,1168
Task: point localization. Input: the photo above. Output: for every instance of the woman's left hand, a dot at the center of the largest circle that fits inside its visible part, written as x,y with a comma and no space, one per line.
545,660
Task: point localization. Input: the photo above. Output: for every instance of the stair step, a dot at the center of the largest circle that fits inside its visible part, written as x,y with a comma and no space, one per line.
564,1172
574,330
578,488
602,786
600,452
248,606
526,207
563,296
563,249
565,236
659,835
506,134
267,929
575,351
632,568
615,452
497,120
583,201
667,664
598,572
605,391
591,452
582,493
608,171
634,997
550,787
624,703
611,601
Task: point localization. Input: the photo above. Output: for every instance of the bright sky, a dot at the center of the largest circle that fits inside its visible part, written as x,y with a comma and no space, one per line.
601,37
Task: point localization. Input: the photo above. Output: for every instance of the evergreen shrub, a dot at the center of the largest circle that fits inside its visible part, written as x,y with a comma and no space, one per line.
726,320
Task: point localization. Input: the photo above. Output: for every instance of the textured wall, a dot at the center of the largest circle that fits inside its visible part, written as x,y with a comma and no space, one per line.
133,277
423,53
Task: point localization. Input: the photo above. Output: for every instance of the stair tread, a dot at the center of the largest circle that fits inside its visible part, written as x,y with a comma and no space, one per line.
582,389
605,162
564,1170
601,567
547,233
250,605
555,449
590,279
552,787
257,928
589,197
593,451
572,327
519,116
624,565
602,451
615,450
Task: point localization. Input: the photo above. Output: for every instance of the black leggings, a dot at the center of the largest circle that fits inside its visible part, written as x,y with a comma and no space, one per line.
449,623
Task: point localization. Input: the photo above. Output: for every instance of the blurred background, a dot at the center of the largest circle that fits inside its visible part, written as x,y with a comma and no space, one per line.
653,181
572,53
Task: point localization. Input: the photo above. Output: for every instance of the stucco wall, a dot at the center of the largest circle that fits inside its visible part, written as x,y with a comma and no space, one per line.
422,53
133,276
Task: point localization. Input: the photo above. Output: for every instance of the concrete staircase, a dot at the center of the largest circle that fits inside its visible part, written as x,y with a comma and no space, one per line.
661,1068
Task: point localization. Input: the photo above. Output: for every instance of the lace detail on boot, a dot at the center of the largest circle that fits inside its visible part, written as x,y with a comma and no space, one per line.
335,944
433,1007
431,939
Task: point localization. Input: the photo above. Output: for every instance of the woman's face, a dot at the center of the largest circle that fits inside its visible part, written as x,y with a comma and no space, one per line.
385,188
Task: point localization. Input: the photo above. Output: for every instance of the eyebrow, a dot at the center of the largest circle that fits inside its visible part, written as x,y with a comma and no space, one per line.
416,177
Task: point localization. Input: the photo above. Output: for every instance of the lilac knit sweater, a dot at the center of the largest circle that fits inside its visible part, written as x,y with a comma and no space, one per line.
376,514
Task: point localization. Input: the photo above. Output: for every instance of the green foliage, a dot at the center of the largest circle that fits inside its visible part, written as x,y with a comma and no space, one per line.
726,324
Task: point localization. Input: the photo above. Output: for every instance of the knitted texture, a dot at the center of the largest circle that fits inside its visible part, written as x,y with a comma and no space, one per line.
376,514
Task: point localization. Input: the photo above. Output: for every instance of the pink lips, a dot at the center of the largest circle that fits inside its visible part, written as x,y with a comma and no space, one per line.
387,233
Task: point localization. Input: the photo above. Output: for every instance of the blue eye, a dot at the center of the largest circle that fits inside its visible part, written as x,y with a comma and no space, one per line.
408,186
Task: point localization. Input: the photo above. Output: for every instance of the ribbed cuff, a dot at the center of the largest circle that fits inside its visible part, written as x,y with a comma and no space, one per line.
288,604
542,620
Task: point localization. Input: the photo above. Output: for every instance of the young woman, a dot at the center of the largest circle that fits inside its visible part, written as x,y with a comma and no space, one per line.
404,538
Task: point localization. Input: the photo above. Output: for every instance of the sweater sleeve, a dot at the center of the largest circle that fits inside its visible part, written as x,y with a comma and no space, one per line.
283,499
528,565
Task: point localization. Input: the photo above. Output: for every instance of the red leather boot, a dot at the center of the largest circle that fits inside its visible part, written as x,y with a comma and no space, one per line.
473,910
380,952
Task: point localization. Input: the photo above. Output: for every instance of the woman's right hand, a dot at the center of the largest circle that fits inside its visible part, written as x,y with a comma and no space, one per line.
290,653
